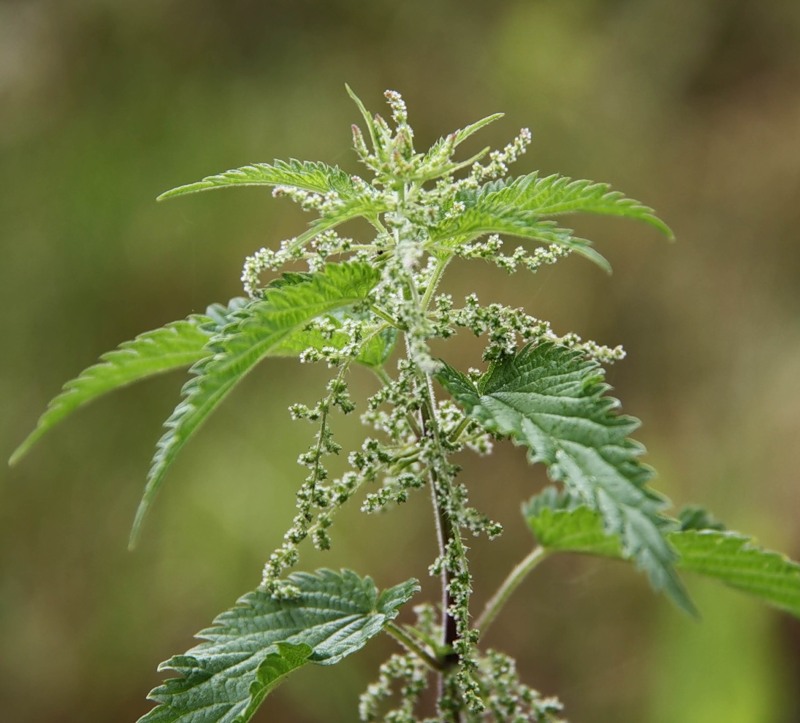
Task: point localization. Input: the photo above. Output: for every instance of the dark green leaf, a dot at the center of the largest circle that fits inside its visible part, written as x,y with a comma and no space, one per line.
551,399
254,645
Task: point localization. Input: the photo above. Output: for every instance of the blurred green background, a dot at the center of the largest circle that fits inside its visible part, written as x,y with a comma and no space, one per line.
691,107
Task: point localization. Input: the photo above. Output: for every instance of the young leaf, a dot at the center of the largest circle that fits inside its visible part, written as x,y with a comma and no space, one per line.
551,399
726,556
174,346
315,177
464,133
253,646
368,120
259,330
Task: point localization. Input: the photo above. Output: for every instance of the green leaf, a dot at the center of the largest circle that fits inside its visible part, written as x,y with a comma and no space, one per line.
437,161
368,120
174,346
374,352
376,349
726,556
551,399
480,220
259,330
554,195
464,133
255,645
520,207
307,176
736,561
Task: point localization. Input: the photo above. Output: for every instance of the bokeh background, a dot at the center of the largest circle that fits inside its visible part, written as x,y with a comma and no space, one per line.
691,107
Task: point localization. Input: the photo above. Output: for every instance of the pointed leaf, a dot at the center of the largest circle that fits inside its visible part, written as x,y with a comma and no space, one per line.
551,399
554,195
368,120
305,175
258,331
726,556
254,645
464,133
174,346
735,560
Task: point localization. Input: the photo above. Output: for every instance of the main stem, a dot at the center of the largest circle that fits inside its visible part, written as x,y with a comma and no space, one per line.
444,532
438,479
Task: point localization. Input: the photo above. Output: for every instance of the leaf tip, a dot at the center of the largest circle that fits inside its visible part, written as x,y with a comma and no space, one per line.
136,527
171,193
24,447
17,455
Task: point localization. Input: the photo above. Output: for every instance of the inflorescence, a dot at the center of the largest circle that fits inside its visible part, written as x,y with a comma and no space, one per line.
414,196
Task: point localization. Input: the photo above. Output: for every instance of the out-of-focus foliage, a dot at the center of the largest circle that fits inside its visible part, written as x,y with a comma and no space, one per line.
691,107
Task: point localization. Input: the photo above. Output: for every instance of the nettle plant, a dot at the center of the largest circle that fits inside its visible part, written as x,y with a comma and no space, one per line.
375,302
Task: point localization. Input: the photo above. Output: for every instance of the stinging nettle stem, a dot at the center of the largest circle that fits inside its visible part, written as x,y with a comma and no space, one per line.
511,583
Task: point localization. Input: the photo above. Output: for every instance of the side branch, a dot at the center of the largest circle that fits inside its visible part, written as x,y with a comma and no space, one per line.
511,583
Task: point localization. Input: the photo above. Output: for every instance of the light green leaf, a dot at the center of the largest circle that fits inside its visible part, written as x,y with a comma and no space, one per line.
260,329
174,346
256,644
554,195
305,175
520,207
464,133
373,353
437,161
368,120
551,399
726,556
376,349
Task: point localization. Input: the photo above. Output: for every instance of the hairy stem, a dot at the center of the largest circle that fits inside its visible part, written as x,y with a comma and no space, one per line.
511,583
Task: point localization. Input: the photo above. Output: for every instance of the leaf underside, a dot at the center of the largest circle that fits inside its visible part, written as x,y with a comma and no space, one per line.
727,556
262,329
253,646
551,400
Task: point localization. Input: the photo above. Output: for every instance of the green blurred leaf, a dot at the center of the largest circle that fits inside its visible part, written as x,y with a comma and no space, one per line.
253,646
726,556
551,399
